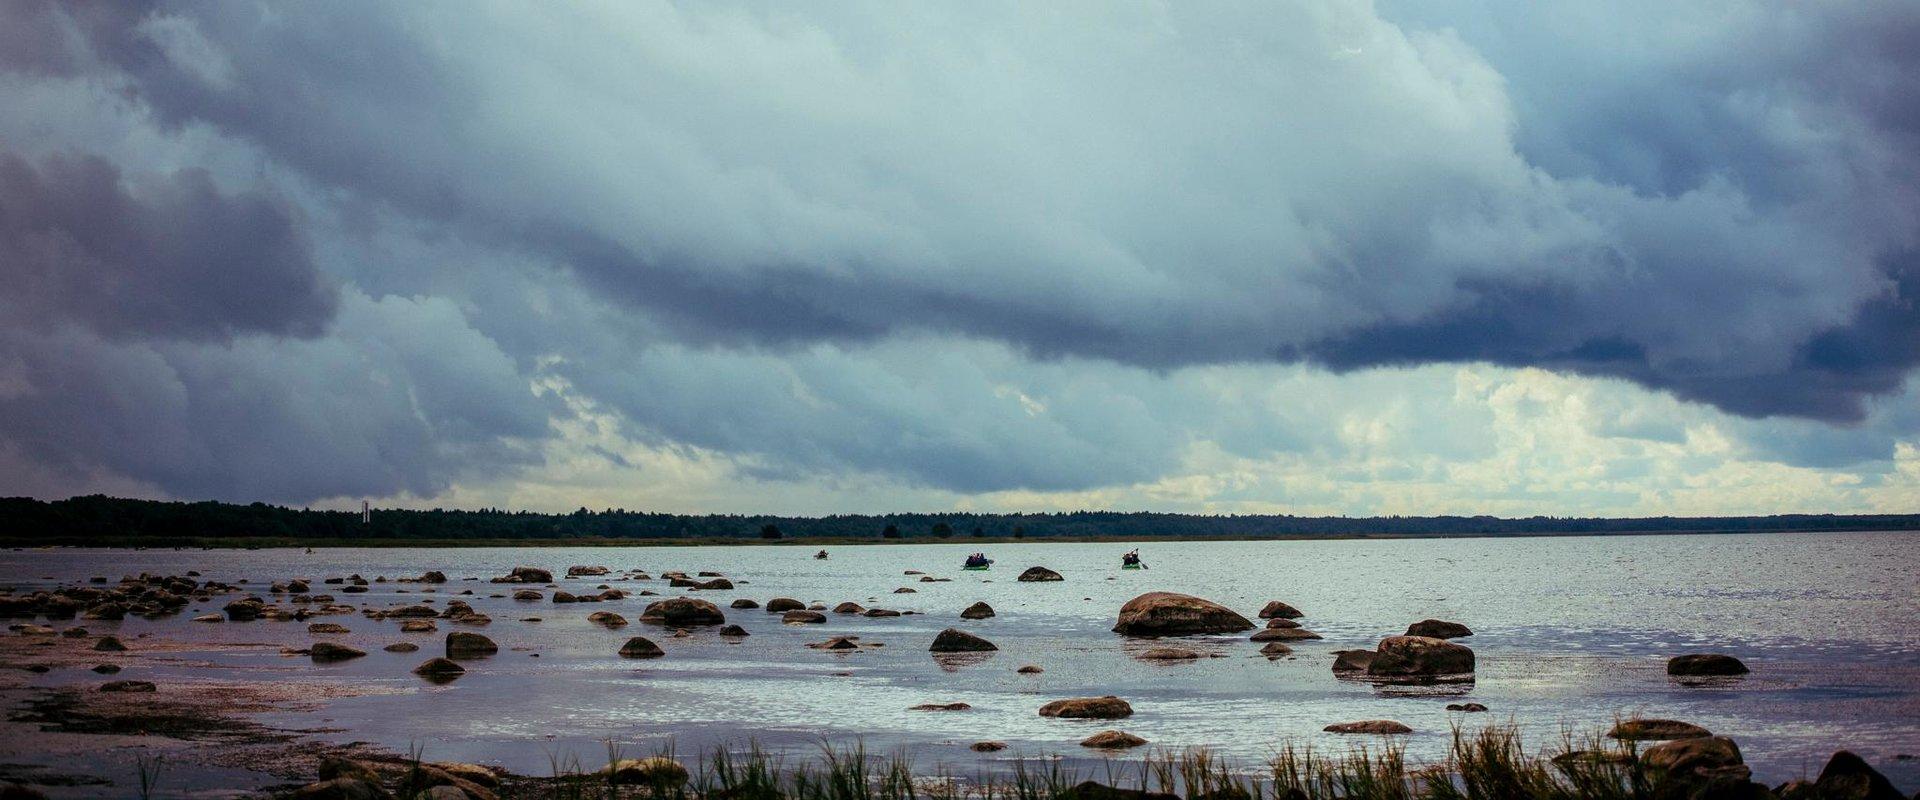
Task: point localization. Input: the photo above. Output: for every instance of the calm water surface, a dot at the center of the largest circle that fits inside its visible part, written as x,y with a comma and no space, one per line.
1570,633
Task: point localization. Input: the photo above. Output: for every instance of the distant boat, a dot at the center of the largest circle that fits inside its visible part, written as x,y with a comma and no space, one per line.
820,556
978,561
1131,560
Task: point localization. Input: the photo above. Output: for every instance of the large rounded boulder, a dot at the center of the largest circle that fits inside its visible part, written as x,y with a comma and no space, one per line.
1108,707
1039,575
1438,629
683,612
1420,658
1173,614
466,644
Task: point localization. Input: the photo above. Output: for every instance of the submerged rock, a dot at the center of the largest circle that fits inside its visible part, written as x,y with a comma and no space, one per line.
1112,740
733,630
329,651
1172,614
401,647
803,617
1108,707
439,668
128,686
1168,654
1373,726
1637,729
1283,635
607,619
942,707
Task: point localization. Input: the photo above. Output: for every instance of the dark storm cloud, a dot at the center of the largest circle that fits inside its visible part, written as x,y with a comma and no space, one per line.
759,230
1750,195
171,257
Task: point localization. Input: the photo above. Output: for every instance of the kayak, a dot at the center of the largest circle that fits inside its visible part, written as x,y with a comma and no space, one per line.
1133,566
982,566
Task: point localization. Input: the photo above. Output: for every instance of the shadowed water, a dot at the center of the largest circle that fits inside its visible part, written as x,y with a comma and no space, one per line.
1571,633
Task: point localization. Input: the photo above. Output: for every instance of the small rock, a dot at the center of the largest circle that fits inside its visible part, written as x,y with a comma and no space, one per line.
401,647
607,619
1705,664
466,644
1168,654
941,707
954,640
1637,729
1039,575
128,686
109,644
439,669
1376,726
978,610
641,647
781,605
329,651
1112,740
657,771
1471,708
106,669
1279,610
733,630
326,627
746,603
1030,669
1283,635
803,618
988,747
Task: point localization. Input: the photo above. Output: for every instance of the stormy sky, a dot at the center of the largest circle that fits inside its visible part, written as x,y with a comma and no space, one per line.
1403,257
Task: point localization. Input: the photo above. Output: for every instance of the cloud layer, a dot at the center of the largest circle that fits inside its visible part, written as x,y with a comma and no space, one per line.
941,254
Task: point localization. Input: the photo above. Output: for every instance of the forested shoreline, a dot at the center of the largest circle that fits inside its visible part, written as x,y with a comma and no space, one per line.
98,519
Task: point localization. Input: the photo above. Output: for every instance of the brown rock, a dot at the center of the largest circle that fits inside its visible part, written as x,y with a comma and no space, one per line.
1112,740
1283,635
978,610
848,607
329,651
780,605
1279,610
803,617
683,612
1168,654
1420,657
657,771
1108,707
988,747
746,603
1374,726
941,707
1039,575
439,668
607,619
401,647
1171,614
136,687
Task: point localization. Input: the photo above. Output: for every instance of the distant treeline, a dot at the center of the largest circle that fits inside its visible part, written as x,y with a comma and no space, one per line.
99,519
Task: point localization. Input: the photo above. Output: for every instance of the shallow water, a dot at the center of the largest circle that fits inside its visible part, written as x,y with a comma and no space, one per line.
1570,633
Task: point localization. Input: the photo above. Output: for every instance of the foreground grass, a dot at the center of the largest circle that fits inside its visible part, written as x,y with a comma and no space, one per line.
1491,764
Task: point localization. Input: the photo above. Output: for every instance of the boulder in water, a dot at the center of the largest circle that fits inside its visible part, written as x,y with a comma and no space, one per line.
1172,614
1278,610
1374,726
1420,658
954,640
329,651
803,617
1108,707
1643,728
466,644
978,610
641,647
1283,635
682,612
746,602
780,605
1705,665
1112,740
1039,575
1438,629
1168,654
440,669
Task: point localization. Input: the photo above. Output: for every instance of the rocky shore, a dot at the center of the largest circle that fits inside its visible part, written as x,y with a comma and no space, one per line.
214,723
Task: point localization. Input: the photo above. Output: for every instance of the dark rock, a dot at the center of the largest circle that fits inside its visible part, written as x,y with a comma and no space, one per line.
402,647
1275,649
329,651
848,607
803,617
1279,610
1705,664
1112,740
526,594
583,571
1849,777
987,747
1374,726
978,610
128,686
1471,708
1283,635
339,789
106,669
607,619
530,575
942,707
466,644
1438,629
683,612
1090,790
954,640
1637,729
1108,707
879,612
656,771
109,644
1420,657
1171,614
780,605
641,647
1039,575
1168,654
733,630
746,603
439,669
